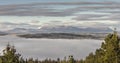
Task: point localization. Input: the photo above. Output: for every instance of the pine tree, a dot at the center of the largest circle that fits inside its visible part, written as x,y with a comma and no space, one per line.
9,55
109,51
111,48
71,59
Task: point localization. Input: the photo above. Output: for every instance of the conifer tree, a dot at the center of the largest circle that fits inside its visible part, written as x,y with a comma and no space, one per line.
111,48
9,55
71,59
109,51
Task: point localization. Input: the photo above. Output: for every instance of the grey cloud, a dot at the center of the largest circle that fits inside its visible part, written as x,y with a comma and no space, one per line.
73,3
108,9
33,12
95,17
45,9
100,25
88,17
10,25
55,21
115,17
115,11
35,21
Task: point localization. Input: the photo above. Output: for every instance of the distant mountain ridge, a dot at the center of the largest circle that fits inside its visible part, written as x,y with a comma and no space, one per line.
72,29
60,29
3,33
23,31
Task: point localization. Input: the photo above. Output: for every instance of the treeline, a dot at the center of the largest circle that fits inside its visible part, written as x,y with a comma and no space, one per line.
109,52
10,56
62,36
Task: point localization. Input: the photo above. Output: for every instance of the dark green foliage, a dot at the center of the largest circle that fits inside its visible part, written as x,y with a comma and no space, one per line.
62,36
9,55
109,51
71,59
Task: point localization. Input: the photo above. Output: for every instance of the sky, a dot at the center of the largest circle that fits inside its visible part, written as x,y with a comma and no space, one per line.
39,13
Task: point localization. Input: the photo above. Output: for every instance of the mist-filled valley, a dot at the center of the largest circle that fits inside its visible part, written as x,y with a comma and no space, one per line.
50,48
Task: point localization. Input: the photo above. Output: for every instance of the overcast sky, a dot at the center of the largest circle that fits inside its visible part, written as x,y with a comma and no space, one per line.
38,13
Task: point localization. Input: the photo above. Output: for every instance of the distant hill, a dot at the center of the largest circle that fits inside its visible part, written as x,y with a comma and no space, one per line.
3,33
65,36
23,31
60,29
72,29
64,32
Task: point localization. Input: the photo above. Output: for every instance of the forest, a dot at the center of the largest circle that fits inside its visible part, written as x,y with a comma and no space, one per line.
109,52
65,36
